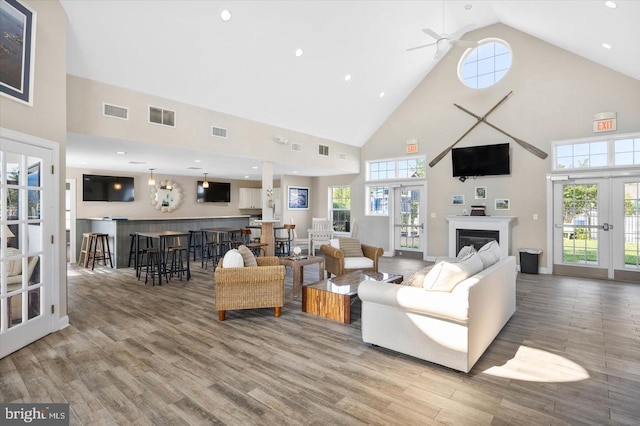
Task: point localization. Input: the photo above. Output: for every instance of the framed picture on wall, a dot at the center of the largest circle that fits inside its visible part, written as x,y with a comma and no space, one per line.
502,204
481,193
298,198
17,29
457,200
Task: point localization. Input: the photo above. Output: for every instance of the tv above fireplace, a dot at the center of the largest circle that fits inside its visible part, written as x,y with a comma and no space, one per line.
482,160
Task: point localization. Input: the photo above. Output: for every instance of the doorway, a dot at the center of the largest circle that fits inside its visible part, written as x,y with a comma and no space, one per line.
408,217
27,219
597,228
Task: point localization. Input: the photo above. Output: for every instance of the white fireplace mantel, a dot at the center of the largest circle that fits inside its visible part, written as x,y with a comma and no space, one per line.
502,224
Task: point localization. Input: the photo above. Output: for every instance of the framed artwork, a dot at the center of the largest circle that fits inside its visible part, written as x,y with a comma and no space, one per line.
481,193
17,28
502,204
298,198
457,200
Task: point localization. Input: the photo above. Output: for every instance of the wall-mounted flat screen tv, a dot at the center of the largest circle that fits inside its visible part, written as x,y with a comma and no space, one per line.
107,188
483,160
218,192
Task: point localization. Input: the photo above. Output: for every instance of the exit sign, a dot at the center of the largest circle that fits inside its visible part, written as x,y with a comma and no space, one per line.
412,149
604,122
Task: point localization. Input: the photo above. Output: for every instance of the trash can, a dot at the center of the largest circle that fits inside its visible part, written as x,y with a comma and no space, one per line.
529,259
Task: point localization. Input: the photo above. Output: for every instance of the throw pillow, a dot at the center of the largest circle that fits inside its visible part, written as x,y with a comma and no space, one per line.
417,278
445,276
465,252
14,266
247,256
233,259
351,247
489,253
335,243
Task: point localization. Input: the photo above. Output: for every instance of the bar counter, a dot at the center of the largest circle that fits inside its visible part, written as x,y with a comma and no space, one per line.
119,229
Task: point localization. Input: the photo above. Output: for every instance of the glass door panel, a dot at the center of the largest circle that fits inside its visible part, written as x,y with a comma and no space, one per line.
409,214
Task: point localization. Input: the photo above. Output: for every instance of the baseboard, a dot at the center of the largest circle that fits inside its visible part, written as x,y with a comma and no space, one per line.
63,322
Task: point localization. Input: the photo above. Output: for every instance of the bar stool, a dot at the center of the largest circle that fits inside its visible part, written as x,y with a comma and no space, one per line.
101,250
283,244
87,239
152,265
142,254
256,248
210,250
176,252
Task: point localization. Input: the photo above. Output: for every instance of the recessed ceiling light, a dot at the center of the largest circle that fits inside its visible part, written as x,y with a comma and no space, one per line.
299,52
225,15
295,172
381,94
347,77
120,152
246,176
196,161
255,167
611,4
607,46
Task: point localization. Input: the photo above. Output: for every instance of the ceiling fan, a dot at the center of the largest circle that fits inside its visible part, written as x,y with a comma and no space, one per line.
444,41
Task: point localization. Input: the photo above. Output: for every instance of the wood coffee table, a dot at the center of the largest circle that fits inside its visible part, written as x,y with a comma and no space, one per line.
331,298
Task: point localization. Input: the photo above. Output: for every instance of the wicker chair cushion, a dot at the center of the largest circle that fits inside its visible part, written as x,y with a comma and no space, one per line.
248,258
233,259
358,263
351,247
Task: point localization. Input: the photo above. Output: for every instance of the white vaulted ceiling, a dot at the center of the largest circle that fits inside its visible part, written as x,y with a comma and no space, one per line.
183,50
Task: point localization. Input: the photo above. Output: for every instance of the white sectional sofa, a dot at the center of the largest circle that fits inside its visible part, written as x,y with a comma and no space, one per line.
453,328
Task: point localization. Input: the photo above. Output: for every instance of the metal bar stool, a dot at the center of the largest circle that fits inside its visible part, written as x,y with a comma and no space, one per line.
177,252
152,265
195,243
283,244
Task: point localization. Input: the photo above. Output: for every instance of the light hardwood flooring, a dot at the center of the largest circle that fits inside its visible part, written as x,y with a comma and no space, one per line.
137,354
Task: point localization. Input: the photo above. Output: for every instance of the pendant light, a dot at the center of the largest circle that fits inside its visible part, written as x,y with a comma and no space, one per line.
205,184
117,186
151,180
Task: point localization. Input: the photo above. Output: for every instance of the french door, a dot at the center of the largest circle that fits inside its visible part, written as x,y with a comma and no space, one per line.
597,228
408,217
26,279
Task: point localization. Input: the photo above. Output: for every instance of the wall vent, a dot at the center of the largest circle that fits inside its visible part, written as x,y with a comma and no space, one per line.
194,168
323,150
137,162
218,132
115,111
296,147
161,116
342,156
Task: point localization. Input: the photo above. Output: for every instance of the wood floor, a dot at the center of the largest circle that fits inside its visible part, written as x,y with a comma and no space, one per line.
137,354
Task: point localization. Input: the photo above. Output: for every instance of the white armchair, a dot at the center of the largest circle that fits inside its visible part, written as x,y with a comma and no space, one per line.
320,233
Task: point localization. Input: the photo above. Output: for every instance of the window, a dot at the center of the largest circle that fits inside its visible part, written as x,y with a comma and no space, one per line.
341,208
623,151
485,65
408,168
378,201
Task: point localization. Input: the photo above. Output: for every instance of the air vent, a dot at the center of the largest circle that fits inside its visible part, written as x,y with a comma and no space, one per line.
218,132
137,162
296,147
342,156
323,150
161,116
115,111
194,168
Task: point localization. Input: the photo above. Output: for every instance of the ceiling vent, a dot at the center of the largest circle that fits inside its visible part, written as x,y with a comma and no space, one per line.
296,147
115,111
161,116
137,162
218,132
281,140
194,168
323,150
342,156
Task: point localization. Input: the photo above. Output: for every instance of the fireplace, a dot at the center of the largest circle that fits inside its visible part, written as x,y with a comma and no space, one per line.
475,237
477,230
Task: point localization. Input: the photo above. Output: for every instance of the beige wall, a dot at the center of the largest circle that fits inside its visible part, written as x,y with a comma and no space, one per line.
247,138
555,96
46,117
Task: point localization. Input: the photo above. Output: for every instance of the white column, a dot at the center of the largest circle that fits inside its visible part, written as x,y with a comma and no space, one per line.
267,184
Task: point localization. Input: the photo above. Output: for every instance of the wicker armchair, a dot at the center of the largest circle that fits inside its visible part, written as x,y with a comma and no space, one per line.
260,286
334,259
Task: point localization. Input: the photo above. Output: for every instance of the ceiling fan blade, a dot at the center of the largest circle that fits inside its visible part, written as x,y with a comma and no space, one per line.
462,31
464,43
432,33
420,47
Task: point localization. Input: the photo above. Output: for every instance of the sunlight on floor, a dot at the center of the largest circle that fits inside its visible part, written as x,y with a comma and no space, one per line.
536,365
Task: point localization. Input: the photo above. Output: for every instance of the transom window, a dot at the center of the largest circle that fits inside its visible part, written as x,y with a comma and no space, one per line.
406,168
485,65
621,151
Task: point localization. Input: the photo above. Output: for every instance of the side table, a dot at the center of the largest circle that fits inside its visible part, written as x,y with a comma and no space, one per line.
297,265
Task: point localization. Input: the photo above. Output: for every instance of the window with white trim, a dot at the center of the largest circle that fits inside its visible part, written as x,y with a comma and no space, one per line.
589,153
378,200
485,65
404,168
341,208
